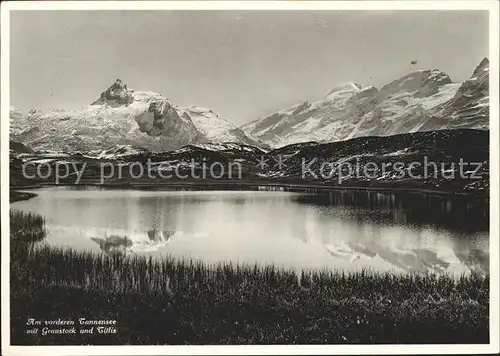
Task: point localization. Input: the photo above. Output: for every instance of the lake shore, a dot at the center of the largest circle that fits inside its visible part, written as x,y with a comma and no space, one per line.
16,195
173,301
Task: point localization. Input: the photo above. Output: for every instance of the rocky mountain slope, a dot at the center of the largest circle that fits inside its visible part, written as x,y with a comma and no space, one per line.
123,116
423,160
420,101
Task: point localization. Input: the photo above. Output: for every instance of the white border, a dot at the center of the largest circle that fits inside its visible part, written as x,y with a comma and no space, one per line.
493,8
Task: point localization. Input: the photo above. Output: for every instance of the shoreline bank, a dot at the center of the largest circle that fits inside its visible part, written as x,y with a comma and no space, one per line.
17,194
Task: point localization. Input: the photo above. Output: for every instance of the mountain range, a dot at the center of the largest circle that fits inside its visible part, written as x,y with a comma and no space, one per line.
424,100
123,116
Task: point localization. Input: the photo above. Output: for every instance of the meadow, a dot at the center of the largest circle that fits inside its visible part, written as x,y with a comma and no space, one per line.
171,301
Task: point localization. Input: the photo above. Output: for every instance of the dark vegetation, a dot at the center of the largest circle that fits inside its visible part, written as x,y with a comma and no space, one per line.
432,157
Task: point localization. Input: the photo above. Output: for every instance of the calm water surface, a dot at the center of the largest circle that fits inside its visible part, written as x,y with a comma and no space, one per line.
338,230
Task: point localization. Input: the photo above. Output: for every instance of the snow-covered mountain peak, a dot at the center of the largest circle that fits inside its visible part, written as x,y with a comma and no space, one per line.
470,105
118,94
346,86
418,101
198,110
482,70
421,83
483,66
124,116
146,96
215,128
343,91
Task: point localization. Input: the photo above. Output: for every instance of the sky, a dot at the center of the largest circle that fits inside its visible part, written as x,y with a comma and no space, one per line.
241,64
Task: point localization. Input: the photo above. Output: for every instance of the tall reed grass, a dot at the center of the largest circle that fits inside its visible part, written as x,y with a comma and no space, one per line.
26,227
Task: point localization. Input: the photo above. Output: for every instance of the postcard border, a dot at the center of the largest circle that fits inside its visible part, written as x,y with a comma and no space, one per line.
491,6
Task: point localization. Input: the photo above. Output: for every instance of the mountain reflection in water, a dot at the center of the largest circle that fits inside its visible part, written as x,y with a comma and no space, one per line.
416,260
157,236
461,216
115,244
343,230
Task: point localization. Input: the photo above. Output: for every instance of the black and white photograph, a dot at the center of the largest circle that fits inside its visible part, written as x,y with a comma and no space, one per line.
250,177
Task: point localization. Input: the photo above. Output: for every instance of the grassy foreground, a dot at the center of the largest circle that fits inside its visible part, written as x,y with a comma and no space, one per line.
184,302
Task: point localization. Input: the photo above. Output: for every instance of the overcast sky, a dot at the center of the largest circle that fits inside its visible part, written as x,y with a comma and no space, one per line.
243,65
